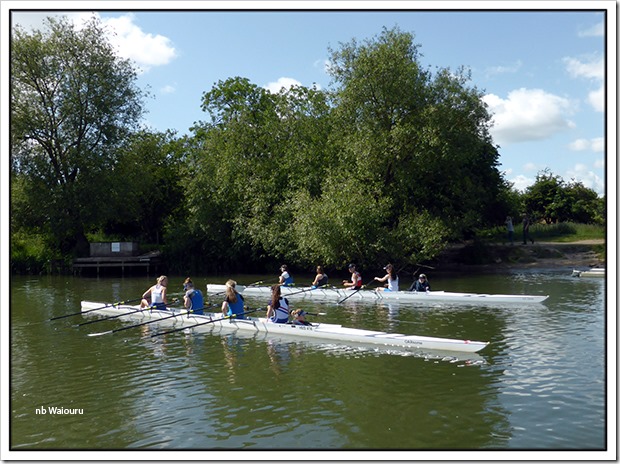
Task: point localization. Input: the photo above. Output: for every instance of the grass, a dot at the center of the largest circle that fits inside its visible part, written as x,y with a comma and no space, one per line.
561,232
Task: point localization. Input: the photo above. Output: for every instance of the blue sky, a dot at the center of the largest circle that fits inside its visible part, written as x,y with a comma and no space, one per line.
542,71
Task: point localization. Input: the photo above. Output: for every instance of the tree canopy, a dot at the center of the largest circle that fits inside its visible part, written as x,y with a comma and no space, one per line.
390,163
73,103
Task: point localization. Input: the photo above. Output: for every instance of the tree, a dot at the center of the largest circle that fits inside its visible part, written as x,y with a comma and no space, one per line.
73,103
552,199
424,138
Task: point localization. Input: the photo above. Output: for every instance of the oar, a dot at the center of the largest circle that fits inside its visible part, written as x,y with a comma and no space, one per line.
304,290
350,295
146,322
234,316
120,315
96,309
250,285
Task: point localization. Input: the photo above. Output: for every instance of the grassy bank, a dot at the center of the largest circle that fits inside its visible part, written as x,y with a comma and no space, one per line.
561,233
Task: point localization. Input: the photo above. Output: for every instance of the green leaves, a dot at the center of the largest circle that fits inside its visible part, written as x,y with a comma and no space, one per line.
73,102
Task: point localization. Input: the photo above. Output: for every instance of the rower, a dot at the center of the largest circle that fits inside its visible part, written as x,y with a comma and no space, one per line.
321,278
356,279
233,303
299,317
420,285
277,309
192,299
157,295
391,278
285,277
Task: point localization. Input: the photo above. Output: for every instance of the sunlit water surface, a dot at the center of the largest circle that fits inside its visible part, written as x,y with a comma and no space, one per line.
539,385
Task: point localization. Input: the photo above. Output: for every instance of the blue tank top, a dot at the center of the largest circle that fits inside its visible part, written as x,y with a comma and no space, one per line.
287,279
197,300
236,308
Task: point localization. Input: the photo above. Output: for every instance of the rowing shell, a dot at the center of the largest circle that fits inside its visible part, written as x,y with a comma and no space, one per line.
318,331
594,272
337,294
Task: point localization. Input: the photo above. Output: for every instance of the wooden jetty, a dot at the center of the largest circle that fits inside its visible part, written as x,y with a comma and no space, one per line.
118,255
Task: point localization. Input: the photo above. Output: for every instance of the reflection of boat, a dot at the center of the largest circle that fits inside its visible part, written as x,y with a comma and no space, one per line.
319,331
337,294
594,272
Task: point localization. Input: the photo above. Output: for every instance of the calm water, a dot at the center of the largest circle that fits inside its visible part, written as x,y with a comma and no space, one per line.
539,385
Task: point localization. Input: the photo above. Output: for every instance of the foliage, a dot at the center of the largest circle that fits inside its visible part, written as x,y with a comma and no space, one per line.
553,200
390,164
73,102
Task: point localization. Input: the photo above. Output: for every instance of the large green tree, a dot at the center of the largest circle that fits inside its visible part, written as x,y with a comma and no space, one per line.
248,160
73,103
414,148
387,165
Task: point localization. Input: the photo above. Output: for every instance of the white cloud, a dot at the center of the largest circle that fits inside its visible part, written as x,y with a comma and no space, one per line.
598,30
167,89
521,182
582,173
509,69
530,167
596,145
593,69
146,49
131,42
282,83
596,98
528,114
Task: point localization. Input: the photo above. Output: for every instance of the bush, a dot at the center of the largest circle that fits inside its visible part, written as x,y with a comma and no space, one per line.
30,254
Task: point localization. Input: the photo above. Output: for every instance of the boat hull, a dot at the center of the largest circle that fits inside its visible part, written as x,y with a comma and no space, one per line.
336,294
594,272
318,331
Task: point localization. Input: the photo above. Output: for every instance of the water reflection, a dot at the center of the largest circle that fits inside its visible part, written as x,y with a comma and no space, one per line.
539,385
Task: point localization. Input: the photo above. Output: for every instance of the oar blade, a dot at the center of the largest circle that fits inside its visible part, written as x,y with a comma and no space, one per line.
99,334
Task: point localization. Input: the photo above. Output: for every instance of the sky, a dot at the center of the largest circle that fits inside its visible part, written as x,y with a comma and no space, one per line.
542,71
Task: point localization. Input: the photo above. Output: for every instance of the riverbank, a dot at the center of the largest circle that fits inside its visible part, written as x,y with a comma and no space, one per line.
482,257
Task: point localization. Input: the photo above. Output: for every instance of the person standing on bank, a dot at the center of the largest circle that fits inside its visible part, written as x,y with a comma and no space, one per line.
526,229
420,285
391,278
192,299
511,230
233,303
356,279
285,277
157,295
277,309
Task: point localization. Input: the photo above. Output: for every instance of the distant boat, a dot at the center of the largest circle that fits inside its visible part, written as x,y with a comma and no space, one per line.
594,272
341,294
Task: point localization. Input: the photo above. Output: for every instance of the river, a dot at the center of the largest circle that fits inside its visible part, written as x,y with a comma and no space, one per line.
539,386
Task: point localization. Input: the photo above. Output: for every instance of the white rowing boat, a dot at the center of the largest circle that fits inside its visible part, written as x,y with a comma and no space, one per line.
338,294
594,272
316,331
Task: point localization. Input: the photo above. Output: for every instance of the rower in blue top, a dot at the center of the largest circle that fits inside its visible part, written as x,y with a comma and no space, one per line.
285,277
193,298
233,303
